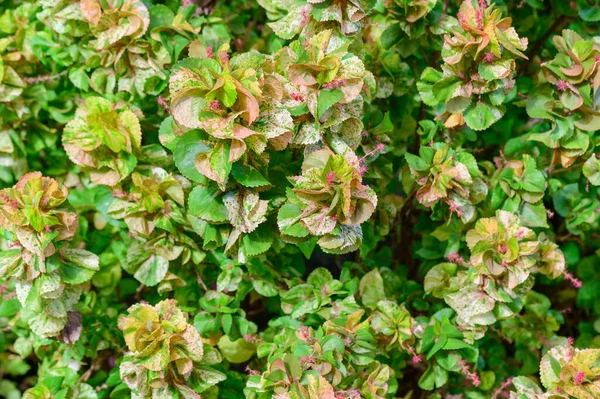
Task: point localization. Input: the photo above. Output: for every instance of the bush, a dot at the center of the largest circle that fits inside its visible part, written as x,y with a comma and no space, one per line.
300,199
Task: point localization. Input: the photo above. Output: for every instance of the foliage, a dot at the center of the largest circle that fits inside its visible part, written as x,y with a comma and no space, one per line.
299,199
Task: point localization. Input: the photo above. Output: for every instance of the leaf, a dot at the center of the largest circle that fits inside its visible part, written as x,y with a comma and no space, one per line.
319,388
23,346
91,10
82,258
288,220
344,240
480,116
591,170
265,288
152,271
258,241
79,78
534,215
499,69
433,377
290,25
454,344
416,163
472,306
238,351
206,203
327,98
444,89
9,261
186,150
79,265
371,289
220,163
319,277
248,176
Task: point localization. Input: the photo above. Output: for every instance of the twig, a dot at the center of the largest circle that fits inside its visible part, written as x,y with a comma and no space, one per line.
533,50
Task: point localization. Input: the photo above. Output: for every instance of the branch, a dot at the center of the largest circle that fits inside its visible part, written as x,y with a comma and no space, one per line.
533,50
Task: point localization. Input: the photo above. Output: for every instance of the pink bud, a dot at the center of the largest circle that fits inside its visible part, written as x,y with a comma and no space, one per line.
489,57
416,359
163,103
575,282
475,379
479,18
330,177
456,258
579,377
362,169
215,105
305,18
224,57
297,97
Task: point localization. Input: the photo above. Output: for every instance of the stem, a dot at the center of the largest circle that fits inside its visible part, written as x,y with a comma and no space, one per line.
533,50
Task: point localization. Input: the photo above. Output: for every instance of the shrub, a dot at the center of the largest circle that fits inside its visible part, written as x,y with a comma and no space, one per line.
299,199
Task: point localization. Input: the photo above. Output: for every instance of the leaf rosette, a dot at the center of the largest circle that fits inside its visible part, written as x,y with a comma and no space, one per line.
478,70
49,275
293,17
567,97
167,357
115,21
155,200
444,175
225,98
325,89
329,201
571,372
103,139
492,285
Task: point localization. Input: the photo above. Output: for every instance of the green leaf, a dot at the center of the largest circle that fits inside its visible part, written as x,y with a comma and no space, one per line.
206,202
591,170
238,351
152,271
327,98
534,215
220,163
371,289
79,265
187,148
258,241
444,89
248,176
23,346
480,116
79,78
